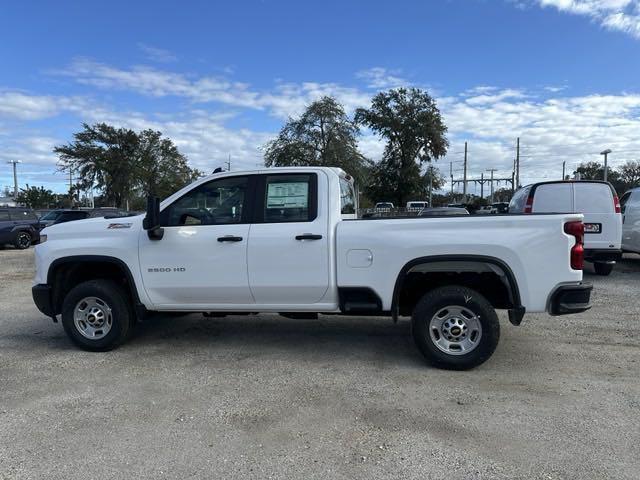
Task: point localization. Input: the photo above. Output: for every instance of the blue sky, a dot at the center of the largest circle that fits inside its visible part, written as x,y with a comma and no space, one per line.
220,78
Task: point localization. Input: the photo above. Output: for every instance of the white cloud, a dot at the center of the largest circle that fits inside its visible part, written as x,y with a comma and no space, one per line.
381,78
24,106
156,54
618,15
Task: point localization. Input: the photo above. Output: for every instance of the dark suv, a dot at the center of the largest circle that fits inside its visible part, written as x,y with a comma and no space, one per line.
19,227
62,216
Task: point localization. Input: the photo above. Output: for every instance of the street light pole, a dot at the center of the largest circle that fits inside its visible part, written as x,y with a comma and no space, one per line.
605,153
15,177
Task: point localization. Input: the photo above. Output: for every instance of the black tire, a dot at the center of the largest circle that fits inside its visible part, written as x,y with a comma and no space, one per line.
23,240
603,269
115,298
435,302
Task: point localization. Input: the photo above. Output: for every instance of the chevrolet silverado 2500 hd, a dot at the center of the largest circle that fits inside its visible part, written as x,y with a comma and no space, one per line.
287,240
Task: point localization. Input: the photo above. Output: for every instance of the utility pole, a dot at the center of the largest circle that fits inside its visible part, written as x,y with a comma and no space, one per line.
451,175
491,170
481,185
15,177
229,164
464,177
517,163
563,168
430,184
605,153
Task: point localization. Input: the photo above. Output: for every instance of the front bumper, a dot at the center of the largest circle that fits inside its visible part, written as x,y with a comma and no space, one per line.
42,298
606,255
568,299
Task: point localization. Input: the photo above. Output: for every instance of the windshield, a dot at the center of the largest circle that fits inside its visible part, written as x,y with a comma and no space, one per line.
51,216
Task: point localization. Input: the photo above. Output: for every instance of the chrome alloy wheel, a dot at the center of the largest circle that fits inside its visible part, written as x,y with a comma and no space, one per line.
92,318
455,330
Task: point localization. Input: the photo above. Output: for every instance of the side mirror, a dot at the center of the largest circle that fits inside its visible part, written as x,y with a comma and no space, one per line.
151,222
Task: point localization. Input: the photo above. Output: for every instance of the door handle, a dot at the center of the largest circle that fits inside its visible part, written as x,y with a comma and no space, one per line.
308,236
229,238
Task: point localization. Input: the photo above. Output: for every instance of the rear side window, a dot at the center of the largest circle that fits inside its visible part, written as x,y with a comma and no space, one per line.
4,216
347,198
593,198
23,215
288,198
553,198
519,200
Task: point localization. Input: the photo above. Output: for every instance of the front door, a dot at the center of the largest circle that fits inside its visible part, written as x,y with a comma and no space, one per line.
288,250
201,261
631,221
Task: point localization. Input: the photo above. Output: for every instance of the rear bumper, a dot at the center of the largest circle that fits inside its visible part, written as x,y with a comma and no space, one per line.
607,255
42,298
568,299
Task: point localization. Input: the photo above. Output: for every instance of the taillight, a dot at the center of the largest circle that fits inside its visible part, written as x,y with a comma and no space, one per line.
577,251
528,207
616,204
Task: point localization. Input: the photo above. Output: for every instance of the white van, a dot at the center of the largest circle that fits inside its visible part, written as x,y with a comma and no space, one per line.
630,203
596,200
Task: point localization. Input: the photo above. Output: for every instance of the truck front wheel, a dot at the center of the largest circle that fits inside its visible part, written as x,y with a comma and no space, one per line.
455,328
96,315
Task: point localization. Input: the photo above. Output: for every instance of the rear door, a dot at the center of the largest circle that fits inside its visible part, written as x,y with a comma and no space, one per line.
630,203
553,198
603,226
6,227
288,252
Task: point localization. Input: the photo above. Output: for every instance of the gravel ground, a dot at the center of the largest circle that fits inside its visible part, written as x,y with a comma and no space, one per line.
340,397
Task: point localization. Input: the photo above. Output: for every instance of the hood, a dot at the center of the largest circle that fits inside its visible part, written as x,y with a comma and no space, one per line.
91,227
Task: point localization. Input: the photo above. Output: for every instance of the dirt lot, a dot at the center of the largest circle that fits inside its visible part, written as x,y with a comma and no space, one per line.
268,397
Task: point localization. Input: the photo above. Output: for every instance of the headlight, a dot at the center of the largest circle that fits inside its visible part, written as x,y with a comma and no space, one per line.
43,238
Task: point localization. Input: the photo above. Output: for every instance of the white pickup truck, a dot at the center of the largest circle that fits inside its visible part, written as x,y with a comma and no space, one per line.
287,240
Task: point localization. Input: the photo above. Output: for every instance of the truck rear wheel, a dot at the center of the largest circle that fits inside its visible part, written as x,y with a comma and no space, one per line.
96,315
455,328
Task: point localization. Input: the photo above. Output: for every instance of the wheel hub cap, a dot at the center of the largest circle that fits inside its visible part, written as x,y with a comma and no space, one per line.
92,318
455,330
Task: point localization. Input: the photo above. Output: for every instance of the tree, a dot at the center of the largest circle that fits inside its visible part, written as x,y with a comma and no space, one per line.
124,164
595,171
629,175
410,122
36,197
162,169
322,136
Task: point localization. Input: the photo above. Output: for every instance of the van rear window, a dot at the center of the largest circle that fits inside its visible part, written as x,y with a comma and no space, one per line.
553,198
593,198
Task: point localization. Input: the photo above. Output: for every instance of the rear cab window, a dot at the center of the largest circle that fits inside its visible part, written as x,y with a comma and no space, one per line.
519,200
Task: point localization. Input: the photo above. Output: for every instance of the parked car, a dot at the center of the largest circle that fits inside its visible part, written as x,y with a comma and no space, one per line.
630,208
500,207
19,227
484,210
416,205
62,216
108,212
286,241
442,211
598,202
384,206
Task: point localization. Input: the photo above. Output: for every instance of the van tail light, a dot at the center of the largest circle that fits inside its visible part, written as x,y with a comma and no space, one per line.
616,204
577,251
528,207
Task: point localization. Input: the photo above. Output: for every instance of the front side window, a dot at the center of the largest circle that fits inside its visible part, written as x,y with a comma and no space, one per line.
347,198
288,198
218,202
